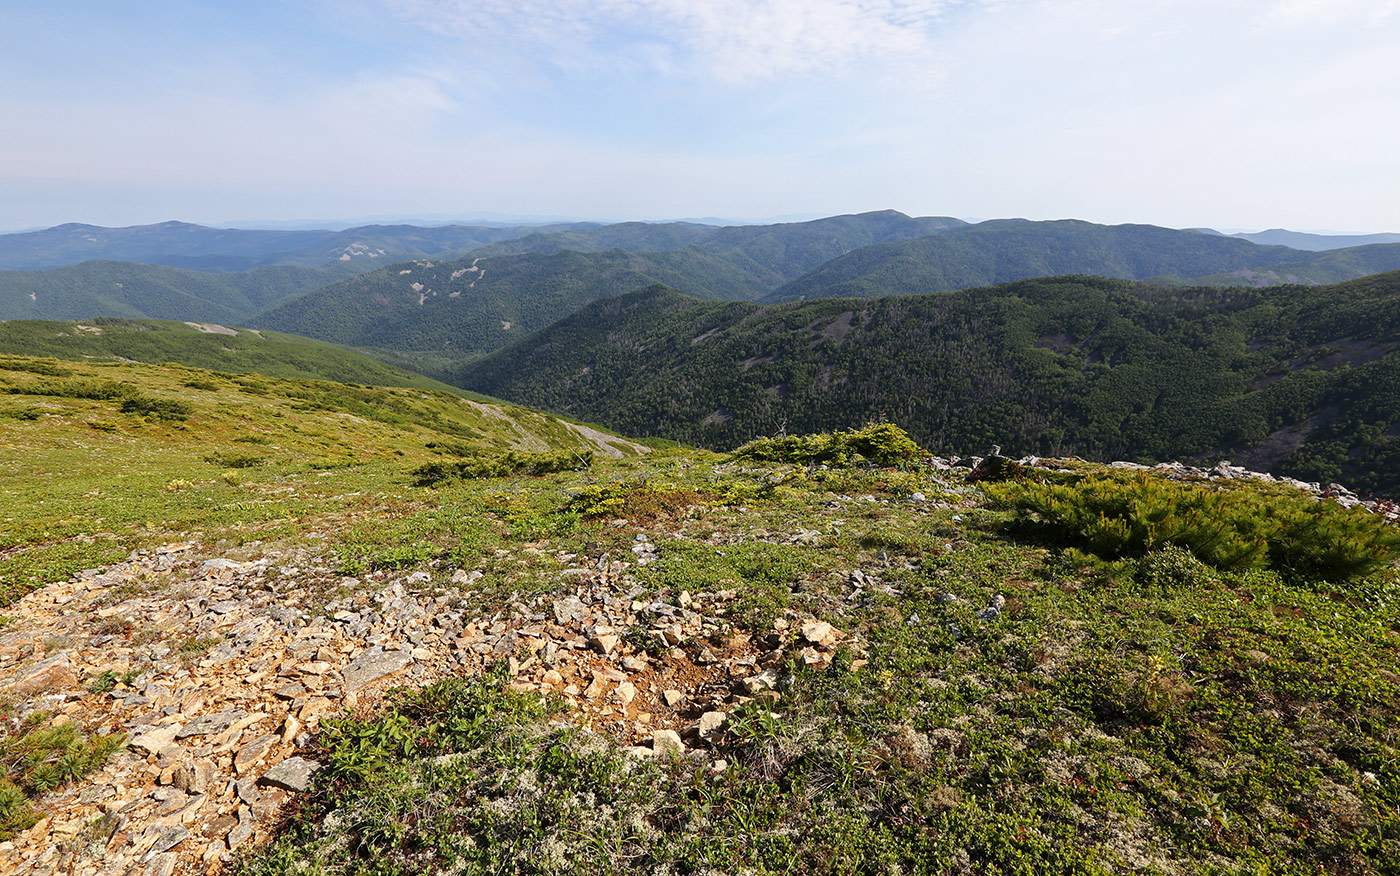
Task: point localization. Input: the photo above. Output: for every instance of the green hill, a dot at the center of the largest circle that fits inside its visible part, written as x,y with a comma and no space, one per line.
470,306
129,289
139,453
1331,266
1002,251
769,255
183,245
201,345
1298,380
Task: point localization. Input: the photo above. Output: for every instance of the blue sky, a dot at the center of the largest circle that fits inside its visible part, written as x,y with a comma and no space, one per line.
1228,113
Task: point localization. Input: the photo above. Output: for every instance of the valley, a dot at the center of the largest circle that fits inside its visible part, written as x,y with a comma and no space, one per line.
756,598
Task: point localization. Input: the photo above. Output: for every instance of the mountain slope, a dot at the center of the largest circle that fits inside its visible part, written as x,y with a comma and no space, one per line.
183,245
470,306
1300,380
1003,251
201,345
768,254
128,289
1315,242
1331,266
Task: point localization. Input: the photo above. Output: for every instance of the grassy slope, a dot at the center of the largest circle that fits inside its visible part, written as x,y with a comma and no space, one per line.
82,483
1193,723
223,349
1305,379
127,289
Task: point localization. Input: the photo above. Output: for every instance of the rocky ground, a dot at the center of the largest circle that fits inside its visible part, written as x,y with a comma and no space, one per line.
220,669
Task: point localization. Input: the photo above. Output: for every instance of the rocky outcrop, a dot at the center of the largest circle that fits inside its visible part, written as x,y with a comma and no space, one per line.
220,671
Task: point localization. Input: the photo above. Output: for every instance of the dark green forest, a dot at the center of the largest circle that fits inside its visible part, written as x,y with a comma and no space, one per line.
133,290
999,252
1301,381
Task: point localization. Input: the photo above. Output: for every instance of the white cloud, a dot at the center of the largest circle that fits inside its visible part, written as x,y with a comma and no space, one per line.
735,41
1330,13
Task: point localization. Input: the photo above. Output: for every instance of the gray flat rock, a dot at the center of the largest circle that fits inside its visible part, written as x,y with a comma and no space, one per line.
373,665
294,774
215,723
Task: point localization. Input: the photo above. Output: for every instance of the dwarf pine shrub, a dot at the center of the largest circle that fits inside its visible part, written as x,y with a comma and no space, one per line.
487,464
882,444
1117,516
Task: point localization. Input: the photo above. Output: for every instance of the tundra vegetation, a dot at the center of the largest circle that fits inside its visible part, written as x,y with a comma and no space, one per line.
1177,676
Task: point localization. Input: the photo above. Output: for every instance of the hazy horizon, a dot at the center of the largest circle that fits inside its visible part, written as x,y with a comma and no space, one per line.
1182,113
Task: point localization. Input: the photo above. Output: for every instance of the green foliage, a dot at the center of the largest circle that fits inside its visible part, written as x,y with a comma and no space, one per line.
876,444
483,463
47,367
1132,515
156,408
87,388
1301,381
235,459
1171,566
37,757
225,350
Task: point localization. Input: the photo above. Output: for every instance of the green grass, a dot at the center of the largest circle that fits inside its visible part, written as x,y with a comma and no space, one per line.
1159,714
1140,709
83,484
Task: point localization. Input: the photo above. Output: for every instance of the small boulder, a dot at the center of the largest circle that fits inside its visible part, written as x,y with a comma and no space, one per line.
373,665
293,774
710,723
665,743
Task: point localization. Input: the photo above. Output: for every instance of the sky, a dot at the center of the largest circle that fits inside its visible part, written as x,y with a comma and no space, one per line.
1233,114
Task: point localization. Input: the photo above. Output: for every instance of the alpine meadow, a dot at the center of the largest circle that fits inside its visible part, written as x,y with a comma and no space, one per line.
466,438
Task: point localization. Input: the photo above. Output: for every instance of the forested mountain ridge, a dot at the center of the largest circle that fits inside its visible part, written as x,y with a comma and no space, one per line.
184,245
1313,269
1003,251
1299,380
134,290
470,306
771,254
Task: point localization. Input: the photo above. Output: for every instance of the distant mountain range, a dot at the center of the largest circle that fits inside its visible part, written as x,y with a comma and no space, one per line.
461,308
1299,380
182,245
1306,241
715,334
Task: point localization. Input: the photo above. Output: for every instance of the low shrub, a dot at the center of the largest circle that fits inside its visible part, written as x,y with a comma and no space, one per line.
48,367
488,464
883,444
1119,516
99,390
236,460
156,408
631,499
37,758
